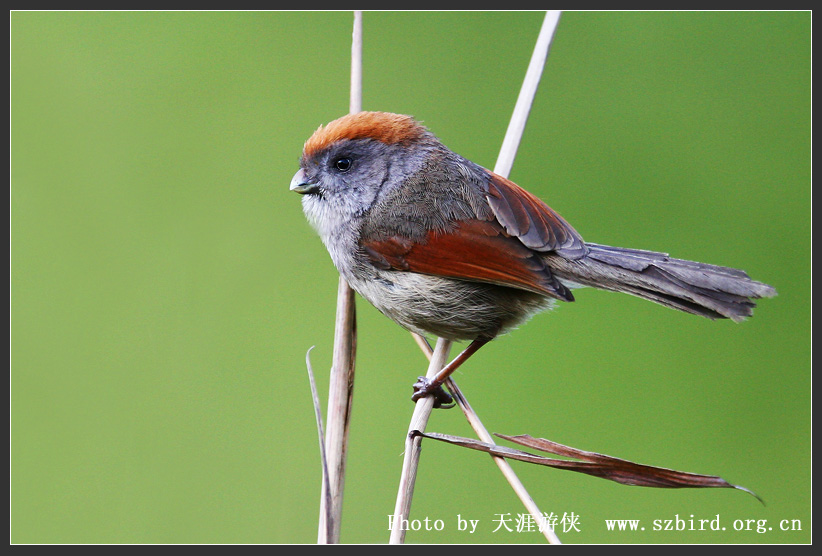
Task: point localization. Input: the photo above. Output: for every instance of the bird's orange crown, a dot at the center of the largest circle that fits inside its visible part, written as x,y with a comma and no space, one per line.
380,126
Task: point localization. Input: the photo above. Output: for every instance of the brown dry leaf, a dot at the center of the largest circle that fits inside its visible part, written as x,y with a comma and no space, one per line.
599,465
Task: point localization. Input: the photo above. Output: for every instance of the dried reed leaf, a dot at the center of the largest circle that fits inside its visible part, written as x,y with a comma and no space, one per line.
329,518
598,465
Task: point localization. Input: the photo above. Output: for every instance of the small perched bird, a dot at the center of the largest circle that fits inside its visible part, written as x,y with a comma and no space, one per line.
445,247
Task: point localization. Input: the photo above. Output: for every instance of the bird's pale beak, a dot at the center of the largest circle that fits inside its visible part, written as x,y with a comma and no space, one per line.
303,185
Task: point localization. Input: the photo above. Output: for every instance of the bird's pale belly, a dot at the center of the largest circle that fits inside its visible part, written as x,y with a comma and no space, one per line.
452,309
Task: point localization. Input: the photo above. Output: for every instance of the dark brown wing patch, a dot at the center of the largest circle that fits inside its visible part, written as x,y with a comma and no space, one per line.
526,217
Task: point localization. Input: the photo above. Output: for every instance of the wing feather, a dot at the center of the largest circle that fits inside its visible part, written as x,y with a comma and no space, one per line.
474,250
526,217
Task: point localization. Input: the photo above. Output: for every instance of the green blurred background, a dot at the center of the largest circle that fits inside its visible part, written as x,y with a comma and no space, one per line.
164,285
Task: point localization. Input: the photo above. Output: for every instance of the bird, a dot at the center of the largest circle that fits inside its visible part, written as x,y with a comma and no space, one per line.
445,247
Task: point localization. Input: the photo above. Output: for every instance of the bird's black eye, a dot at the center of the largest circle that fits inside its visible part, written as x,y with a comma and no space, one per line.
342,164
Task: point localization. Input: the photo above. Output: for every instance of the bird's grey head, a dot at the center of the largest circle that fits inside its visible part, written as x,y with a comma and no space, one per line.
349,163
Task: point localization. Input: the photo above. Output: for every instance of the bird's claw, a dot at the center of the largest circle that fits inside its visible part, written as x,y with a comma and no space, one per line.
425,387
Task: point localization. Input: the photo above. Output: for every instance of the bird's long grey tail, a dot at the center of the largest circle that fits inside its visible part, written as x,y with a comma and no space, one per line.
699,288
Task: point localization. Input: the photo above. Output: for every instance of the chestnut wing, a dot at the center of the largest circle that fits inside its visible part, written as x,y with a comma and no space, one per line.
526,217
475,250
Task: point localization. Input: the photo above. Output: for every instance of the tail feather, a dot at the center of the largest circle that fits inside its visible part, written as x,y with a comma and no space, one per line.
699,288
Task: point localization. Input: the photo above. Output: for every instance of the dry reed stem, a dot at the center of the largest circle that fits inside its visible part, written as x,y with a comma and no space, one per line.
516,127
321,434
341,384
419,419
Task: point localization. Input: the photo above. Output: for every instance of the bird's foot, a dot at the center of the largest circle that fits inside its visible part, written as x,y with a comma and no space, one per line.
425,387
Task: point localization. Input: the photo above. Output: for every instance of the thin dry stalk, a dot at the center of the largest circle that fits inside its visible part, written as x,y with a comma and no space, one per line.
355,104
419,420
340,392
341,385
516,127
329,523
